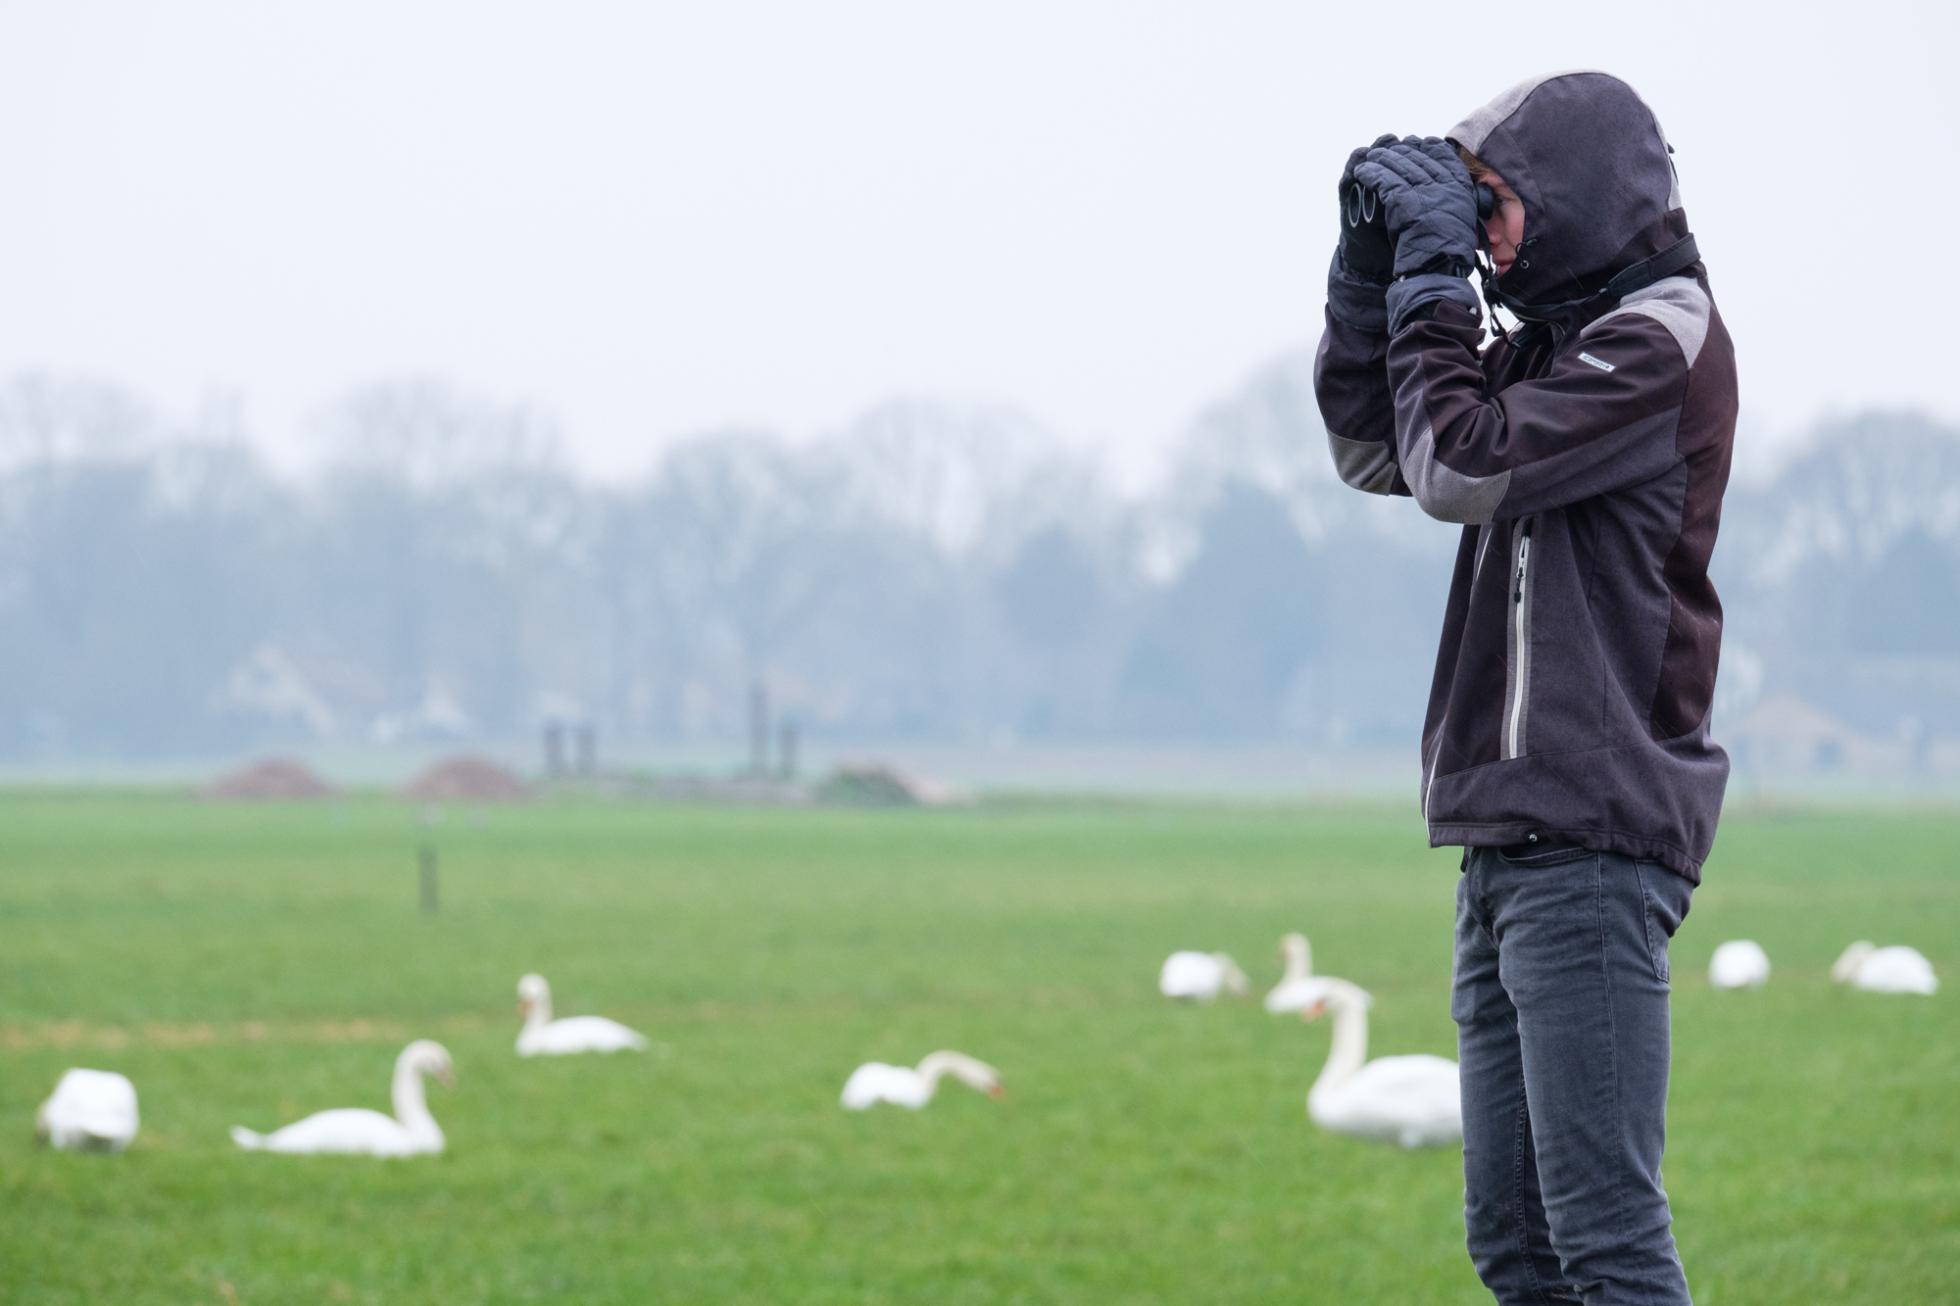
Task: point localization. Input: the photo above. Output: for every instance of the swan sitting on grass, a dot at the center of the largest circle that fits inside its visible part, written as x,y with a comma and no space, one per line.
1296,990
876,1082
1897,969
1739,964
1411,1100
1201,976
544,1037
411,1131
89,1111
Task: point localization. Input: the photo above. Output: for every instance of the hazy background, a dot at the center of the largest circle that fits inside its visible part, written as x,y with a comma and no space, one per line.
380,378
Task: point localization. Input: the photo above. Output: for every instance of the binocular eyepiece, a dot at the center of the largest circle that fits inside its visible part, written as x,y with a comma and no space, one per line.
1364,208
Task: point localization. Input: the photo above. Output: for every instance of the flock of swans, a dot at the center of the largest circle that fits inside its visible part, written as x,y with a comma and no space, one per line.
95,1110
1414,1100
1411,1100
1742,964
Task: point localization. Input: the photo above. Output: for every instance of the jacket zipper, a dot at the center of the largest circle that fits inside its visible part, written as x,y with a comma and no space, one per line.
1521,661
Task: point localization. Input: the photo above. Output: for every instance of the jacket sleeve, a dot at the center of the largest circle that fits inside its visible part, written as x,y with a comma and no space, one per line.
1603,418
1350,382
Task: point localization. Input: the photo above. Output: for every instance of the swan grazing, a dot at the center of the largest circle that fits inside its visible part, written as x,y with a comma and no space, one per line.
544,1037
876,1082
89,1111
1201,976
1297,989
1410,1100
1896,969
1739,964
411,1131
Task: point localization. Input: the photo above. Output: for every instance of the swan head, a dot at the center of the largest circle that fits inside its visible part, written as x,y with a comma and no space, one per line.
532,992
1854,957
1329,993
430,1058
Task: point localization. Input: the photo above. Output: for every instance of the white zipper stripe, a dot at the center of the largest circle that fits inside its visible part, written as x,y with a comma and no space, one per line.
1517,696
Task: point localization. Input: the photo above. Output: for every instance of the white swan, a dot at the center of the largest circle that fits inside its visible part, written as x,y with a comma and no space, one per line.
89,1111
1296,990
1739,964
876,1082
544,1037
411,1131
1410,1100
1897,969
1201,976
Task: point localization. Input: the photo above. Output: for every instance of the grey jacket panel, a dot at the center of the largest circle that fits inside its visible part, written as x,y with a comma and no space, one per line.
1677,303
1364,464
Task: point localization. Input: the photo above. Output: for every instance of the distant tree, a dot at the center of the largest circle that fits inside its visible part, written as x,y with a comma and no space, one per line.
1221,644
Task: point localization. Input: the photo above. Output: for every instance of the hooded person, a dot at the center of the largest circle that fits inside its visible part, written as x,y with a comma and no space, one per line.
1566,745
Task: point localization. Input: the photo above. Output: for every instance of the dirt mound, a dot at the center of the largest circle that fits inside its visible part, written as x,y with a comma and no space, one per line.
875,784
467,779
269,779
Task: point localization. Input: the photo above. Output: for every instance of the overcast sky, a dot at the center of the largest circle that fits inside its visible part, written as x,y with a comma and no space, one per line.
655,219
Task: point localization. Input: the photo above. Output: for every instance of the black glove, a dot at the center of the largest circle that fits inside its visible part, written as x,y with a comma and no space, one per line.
1366,252
1430,201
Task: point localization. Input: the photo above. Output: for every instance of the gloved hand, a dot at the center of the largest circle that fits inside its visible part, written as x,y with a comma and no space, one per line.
1431,204
1432,218
1366,252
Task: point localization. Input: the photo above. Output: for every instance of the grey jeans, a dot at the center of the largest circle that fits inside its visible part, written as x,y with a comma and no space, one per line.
1560,1000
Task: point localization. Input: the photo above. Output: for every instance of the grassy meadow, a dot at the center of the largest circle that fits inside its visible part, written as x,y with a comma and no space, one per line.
251,964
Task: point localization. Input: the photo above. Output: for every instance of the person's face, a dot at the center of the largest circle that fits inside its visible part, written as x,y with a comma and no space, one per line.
1505,226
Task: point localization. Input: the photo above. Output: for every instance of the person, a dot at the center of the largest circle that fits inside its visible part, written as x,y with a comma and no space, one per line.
1566,747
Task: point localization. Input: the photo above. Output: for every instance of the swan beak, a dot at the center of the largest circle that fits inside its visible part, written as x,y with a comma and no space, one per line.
523,1006
446,1077
1313,1012
997,1092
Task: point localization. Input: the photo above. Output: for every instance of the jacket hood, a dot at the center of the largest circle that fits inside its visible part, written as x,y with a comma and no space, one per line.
1589,160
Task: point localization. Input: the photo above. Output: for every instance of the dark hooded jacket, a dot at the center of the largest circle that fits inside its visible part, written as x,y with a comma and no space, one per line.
1586,458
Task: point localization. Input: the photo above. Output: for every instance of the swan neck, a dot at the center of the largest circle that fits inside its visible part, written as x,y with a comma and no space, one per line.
1350,1046
412,1101
963,1068
1299,959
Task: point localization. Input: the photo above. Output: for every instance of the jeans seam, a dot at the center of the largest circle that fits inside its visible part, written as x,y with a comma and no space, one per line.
1518,1189
1647,924
1518,1195
1620,1221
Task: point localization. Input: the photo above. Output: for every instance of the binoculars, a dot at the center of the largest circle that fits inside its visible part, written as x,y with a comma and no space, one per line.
1364,208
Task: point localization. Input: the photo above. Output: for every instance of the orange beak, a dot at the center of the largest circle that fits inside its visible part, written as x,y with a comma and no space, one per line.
997,1092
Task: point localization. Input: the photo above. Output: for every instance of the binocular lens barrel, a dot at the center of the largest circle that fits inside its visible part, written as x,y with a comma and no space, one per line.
1363,207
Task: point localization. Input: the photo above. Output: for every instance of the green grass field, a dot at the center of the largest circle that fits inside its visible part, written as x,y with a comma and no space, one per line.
250,965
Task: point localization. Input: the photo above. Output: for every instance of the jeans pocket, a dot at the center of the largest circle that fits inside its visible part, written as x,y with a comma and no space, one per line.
1556,855
1664,905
